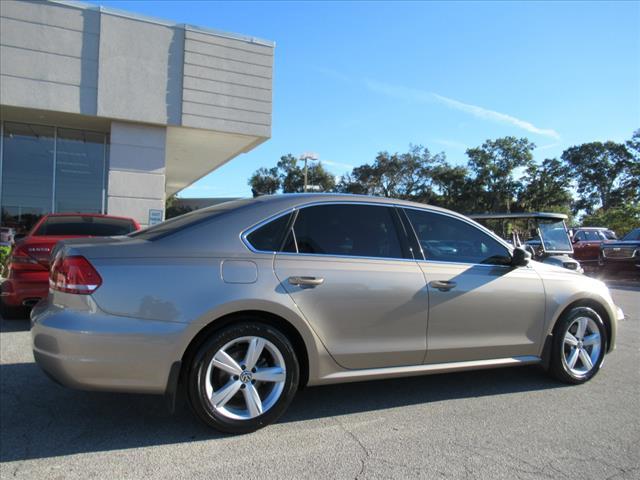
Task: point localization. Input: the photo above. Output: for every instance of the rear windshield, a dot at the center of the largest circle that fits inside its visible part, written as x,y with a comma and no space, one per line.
85,226
632,235
187,220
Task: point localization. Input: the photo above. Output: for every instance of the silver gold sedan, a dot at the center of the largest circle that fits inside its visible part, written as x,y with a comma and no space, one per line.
241,304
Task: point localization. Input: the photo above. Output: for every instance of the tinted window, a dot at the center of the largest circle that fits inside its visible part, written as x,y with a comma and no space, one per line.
354,230
447,239
580,236
591,235
90,226
269,237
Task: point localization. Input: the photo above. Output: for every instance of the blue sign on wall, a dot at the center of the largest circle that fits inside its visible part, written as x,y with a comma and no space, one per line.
155,216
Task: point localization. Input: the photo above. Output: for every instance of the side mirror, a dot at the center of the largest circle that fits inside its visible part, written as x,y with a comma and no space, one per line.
520,257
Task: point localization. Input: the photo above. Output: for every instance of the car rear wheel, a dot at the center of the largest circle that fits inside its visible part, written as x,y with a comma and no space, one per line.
579,345
243,377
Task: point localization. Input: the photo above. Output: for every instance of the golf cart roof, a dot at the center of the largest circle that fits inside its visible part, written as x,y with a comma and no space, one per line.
498,216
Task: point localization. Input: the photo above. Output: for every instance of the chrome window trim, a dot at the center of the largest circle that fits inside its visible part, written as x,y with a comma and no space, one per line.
346,257
248,231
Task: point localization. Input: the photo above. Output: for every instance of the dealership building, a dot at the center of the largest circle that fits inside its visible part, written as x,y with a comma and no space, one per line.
110,112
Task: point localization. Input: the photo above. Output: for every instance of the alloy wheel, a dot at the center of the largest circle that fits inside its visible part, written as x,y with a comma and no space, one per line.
245,378
582,345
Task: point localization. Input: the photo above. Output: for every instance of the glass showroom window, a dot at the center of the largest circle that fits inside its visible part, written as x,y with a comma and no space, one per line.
27,173
79,179
48,169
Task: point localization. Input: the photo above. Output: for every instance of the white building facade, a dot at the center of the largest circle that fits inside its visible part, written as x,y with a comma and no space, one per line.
108,112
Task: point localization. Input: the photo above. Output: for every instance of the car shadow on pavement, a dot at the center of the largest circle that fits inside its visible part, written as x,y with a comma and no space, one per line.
41,419
20,325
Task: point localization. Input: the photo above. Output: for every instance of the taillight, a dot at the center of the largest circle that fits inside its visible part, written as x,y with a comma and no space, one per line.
74,274
21,260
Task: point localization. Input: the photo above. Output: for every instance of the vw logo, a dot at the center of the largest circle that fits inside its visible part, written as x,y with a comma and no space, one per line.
245,377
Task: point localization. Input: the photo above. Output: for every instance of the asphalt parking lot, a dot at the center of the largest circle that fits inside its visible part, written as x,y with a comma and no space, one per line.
509,423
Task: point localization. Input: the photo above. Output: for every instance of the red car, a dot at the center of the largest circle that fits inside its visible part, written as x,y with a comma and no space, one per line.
28,278
586,245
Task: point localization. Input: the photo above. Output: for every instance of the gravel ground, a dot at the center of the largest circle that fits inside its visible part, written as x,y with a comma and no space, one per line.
509,423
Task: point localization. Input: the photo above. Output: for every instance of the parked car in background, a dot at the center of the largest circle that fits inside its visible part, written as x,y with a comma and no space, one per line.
604,231
28,267
586,245
240,304
622,256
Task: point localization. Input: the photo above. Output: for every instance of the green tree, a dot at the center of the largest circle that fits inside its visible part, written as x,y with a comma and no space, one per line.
399,175
620,219
606,175
172,208
265,181
492,166
546,187
454,188
288,176
631,183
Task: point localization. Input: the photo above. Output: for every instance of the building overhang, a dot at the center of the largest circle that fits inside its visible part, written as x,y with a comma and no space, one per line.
192,153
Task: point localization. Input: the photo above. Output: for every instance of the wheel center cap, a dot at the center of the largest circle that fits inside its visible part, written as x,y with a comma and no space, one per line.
246,377
580,344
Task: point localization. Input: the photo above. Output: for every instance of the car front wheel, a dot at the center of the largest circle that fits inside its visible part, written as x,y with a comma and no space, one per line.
579,346
243,377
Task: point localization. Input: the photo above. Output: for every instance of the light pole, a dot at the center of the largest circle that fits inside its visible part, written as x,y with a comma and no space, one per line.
307,156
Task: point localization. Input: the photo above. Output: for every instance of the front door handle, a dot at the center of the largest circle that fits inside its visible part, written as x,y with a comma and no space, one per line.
306,281
442,285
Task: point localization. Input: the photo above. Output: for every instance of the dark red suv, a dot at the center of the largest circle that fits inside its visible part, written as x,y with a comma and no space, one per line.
586,245
28,278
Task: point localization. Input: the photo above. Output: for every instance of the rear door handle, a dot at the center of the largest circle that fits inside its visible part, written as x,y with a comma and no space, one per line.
442,285
306,281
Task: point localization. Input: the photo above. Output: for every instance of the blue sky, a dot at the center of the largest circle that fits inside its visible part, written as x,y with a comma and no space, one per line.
352,79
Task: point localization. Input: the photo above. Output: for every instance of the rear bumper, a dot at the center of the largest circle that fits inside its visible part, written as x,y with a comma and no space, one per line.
24,287
95,351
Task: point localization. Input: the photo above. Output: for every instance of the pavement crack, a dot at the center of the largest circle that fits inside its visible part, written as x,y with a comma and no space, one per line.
367,454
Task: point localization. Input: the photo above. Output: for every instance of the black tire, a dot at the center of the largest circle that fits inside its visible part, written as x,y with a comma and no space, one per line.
197,372
558,366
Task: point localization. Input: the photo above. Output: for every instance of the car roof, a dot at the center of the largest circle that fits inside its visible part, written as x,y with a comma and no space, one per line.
290,200
498,216
98,215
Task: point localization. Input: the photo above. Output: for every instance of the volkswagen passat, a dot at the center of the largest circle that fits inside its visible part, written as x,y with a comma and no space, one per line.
241,304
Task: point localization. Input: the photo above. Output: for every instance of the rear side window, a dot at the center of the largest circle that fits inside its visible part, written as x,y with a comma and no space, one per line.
351,230
448,239
85,226
590,236
269,237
